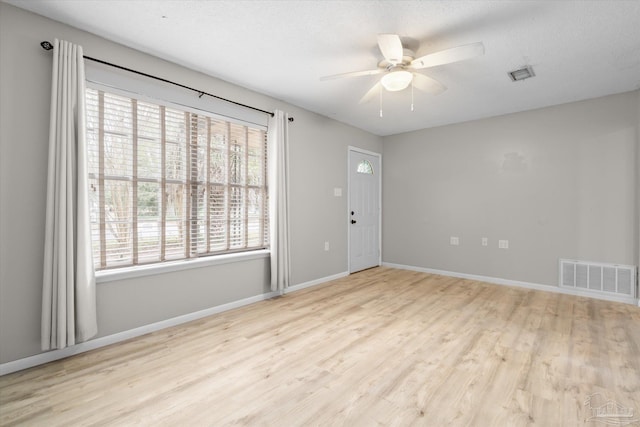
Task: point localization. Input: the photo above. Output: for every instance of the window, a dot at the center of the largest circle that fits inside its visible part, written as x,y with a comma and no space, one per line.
365,167
169,184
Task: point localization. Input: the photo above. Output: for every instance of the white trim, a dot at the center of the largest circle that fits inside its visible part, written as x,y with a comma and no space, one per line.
105,276
50,356
363,151
351,148
315,282
517,283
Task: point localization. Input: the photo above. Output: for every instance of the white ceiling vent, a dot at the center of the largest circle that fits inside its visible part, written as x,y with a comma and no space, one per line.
521,74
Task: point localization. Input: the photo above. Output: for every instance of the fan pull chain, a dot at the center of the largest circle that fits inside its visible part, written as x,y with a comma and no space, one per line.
411,95
380,101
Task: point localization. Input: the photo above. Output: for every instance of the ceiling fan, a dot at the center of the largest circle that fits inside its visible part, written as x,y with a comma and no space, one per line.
399,67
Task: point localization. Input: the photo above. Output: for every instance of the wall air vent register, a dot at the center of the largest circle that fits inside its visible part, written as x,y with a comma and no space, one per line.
599,278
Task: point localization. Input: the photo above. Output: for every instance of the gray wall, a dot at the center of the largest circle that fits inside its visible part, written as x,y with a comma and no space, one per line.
556,182
318,156
638,185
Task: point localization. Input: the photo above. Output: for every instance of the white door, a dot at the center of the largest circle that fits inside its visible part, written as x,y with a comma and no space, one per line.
364,210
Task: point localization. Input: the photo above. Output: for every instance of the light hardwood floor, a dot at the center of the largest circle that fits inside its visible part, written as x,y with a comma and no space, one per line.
380,347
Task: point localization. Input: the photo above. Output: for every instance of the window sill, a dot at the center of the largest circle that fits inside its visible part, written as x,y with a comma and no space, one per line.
168,267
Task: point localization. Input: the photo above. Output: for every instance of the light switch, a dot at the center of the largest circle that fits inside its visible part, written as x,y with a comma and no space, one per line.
503,244
455,241
337,192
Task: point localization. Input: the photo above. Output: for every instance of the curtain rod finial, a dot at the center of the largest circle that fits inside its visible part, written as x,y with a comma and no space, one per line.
46,45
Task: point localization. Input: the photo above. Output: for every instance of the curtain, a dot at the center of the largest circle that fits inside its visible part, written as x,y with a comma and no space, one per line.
278,143
68,291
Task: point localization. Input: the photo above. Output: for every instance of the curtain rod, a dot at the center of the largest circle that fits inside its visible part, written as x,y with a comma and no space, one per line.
48,46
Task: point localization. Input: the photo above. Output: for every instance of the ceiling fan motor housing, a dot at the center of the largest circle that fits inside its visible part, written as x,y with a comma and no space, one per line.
406,60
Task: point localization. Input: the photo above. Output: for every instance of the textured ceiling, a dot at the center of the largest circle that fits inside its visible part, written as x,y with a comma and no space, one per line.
579,50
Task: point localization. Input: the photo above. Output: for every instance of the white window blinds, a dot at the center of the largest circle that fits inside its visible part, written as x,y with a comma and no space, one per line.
170,184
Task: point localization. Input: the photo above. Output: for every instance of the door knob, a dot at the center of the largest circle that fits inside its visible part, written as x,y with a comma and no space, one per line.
353,221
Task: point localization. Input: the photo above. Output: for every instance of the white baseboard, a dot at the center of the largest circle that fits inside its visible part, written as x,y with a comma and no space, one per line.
517,283
315,282
50,356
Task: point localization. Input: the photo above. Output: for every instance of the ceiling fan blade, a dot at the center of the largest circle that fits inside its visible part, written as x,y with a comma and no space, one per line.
353,74
375,90
428,84
391,47
448,56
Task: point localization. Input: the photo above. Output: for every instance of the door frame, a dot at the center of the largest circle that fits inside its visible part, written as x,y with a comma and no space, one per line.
350,149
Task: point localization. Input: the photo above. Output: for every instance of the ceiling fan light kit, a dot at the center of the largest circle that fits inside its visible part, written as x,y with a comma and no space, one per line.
396,80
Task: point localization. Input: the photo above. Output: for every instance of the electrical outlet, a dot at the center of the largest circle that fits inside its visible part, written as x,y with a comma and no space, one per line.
485,241
326,246
455,241
503,244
